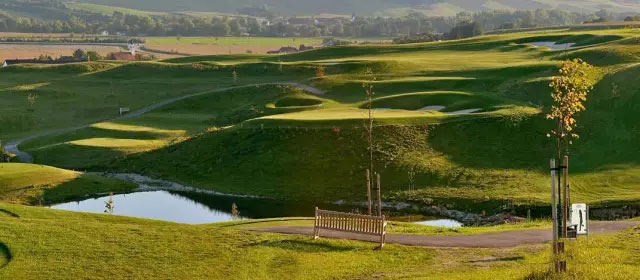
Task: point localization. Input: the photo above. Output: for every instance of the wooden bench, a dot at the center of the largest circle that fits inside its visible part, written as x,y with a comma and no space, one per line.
345,222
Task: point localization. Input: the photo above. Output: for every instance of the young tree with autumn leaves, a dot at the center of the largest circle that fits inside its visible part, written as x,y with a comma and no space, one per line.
570,90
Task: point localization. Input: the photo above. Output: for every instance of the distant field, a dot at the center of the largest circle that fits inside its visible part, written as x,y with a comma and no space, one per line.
10,51
234,45
108,10
225,45
32,35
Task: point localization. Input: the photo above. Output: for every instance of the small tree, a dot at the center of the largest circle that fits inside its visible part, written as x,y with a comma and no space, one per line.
31,99
235,213
369,93
79,54
320,72
5,156
570,90
235,76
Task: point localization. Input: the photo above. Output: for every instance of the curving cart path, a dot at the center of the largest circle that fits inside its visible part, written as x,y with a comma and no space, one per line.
12,147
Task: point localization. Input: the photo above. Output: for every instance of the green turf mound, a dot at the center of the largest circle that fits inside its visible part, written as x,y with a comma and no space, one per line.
452,101
579,40
214,58
39,184
71,68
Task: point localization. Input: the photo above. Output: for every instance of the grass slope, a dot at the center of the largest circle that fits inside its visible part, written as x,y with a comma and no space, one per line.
75,245
287,144
42,185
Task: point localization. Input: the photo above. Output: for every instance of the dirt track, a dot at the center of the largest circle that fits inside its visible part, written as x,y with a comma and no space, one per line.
492,240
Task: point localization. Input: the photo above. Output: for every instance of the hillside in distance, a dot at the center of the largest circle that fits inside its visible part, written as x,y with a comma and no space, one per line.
371,7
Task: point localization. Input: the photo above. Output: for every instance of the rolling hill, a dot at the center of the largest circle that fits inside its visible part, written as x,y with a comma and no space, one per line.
368,7
283,143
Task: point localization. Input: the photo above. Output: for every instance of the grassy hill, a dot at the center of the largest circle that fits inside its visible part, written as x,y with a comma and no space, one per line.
40,243
284,143
366,7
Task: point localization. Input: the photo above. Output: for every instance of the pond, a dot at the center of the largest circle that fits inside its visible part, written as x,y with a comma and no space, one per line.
198,208
445,223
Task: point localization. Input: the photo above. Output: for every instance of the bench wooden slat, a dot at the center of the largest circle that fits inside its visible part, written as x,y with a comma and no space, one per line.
347,222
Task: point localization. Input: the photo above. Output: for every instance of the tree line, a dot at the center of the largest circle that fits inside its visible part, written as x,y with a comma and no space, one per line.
64,20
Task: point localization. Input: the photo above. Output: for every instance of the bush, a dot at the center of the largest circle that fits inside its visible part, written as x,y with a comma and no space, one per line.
418,38
5,156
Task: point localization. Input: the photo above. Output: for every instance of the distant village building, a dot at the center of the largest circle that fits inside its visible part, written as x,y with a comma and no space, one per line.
104,33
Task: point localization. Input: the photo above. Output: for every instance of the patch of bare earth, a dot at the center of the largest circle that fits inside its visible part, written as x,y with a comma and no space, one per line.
8,51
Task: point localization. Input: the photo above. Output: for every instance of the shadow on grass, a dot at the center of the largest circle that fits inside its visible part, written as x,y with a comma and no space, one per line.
9,213
5,255
303,246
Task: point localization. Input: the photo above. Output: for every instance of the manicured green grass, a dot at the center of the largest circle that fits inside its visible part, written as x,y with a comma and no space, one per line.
274,146
404,227
74,95
67,245
42,185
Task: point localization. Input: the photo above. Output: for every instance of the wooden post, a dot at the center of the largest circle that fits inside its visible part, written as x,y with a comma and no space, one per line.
369,190
565,209
379,197
383,234
554,205
315,226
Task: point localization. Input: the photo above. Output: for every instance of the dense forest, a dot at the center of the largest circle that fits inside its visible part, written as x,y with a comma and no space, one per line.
56,17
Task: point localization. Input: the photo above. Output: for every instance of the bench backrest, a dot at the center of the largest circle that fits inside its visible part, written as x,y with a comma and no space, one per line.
347,222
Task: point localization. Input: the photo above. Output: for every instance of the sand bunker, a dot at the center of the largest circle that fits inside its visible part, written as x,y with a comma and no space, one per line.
432,108
553,45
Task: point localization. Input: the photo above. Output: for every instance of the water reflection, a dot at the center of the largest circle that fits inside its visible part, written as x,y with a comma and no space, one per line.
445,223
157,205
202,208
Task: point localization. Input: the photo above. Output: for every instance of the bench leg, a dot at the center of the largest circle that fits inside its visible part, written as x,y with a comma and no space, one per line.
316,233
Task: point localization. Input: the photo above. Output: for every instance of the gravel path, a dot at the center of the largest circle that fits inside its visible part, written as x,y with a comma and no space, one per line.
493,240
12,147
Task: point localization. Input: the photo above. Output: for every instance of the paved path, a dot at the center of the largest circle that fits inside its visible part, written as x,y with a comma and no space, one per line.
492,240
12,147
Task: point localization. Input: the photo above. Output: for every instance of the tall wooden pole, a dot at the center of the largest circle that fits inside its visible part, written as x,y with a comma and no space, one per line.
369,190
565,205
554,205
379,197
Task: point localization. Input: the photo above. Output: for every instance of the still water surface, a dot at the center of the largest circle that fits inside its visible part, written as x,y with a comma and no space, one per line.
201,208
